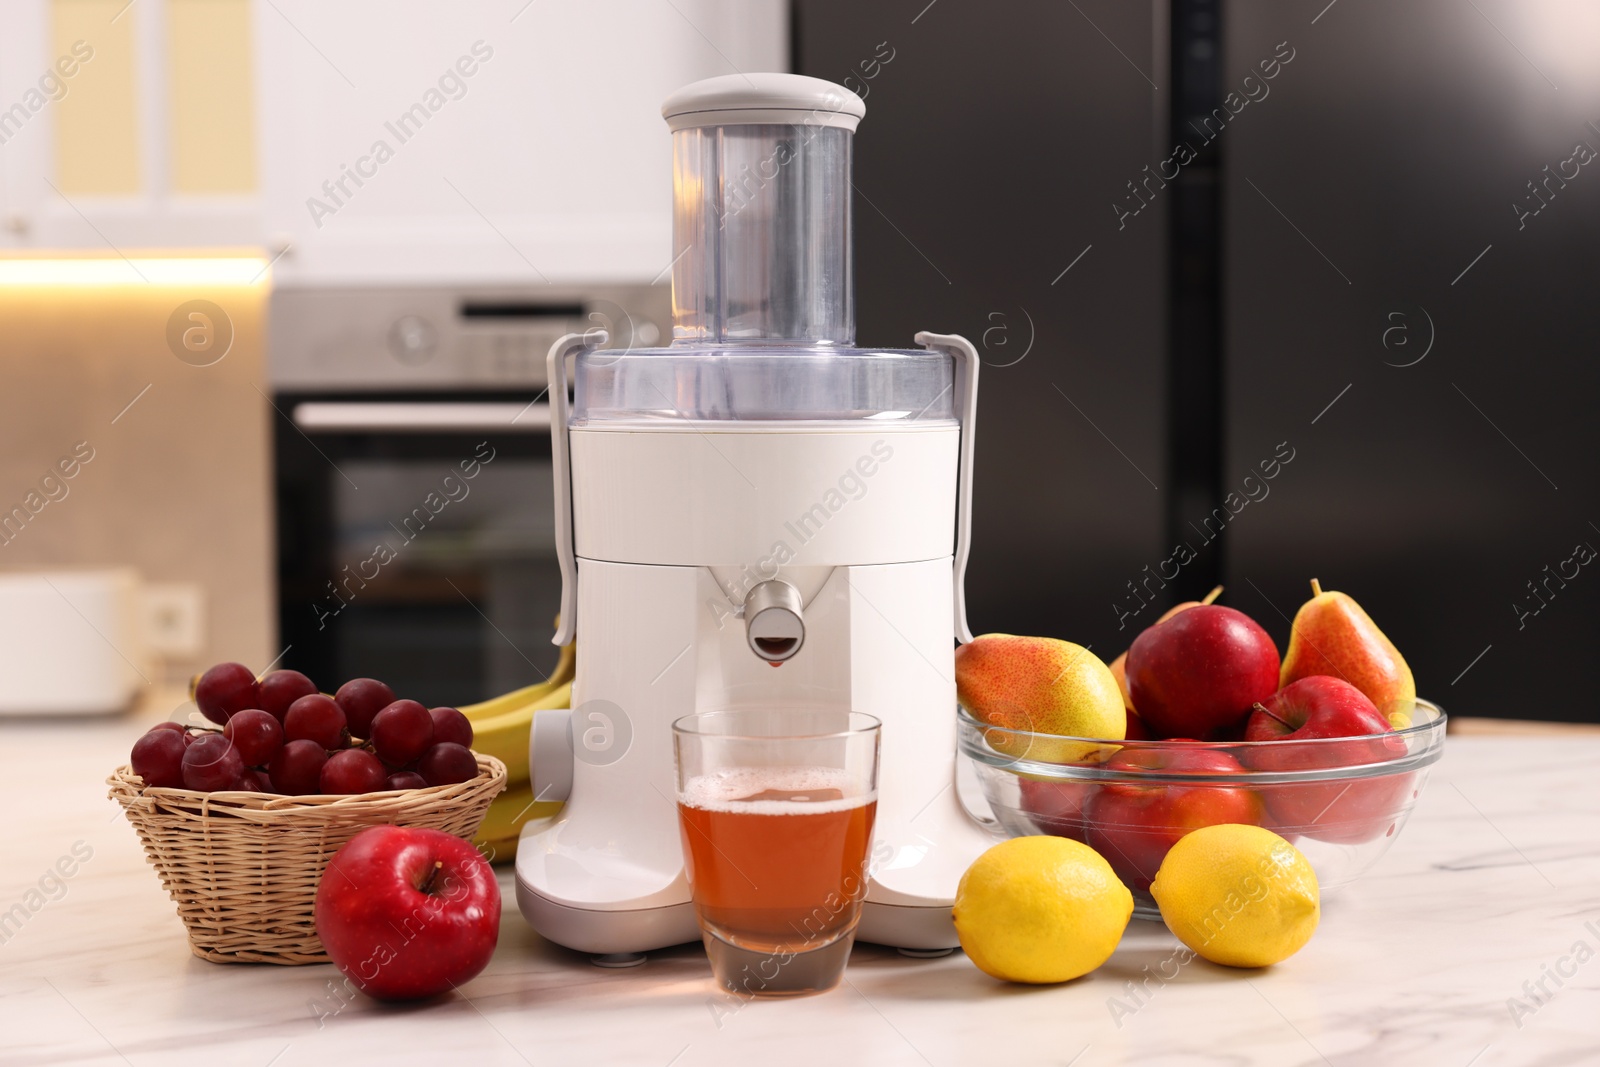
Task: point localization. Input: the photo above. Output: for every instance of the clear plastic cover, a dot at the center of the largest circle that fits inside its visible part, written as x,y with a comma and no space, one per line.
763,312
760,383
761,225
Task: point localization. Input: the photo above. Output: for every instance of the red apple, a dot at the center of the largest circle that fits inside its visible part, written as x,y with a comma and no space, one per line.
1300,719
1056,807
1198,673
1133,824
406,912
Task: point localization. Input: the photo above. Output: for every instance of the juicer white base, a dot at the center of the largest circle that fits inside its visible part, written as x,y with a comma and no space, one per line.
647,929
606,875
606,932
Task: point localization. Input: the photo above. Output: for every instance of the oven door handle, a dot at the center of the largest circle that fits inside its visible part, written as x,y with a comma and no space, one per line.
561,459
319,416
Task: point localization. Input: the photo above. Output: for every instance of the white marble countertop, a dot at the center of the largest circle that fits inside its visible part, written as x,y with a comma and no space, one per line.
1495,883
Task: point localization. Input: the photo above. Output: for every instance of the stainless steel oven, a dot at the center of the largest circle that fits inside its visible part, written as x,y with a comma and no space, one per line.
415,538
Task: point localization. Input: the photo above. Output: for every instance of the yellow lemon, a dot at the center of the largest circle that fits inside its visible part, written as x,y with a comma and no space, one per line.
1040,909
1238,895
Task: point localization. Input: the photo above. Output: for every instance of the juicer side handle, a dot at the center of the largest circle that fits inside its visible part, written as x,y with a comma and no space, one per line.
965,403
561,462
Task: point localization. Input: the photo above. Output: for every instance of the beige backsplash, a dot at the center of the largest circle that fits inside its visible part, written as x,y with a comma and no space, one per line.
179,483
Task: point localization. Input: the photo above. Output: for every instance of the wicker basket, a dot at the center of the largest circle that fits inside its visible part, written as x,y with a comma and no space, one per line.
243,867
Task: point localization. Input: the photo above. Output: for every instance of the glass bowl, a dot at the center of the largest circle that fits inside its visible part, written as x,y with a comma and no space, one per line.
1341,800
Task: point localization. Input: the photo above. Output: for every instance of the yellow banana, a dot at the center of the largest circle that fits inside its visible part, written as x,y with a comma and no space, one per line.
508,811
502,824
508,702
506,736
499,850
567,665
559,697
505,702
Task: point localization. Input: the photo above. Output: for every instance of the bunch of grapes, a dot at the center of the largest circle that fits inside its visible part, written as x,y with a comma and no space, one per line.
280,734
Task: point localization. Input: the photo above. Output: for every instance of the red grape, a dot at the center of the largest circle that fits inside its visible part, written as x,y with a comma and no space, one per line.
361,699
158,757
316,718
297,768
279,689
178,726
211,763
405,780
355,770
447,763
401,732
256,735
225,689
450,725
251,782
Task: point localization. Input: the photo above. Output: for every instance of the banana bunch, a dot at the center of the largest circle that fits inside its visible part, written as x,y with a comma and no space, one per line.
502,826
505,736
501,727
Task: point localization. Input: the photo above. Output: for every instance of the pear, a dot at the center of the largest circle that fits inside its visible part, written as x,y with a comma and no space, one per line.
1332,635
1119,667
1040,685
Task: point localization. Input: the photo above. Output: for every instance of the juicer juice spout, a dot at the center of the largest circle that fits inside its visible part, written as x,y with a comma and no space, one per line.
774,626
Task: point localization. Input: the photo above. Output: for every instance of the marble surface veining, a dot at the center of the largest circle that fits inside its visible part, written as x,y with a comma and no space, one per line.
1474,941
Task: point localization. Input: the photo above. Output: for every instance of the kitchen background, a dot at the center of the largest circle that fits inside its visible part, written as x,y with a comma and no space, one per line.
1265,291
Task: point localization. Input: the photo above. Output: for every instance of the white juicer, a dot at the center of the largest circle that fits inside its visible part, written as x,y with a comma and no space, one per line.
758,495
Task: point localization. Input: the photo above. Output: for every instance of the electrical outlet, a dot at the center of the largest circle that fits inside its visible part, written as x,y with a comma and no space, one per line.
174,619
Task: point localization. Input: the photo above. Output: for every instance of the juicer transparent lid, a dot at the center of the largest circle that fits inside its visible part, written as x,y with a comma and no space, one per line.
764,383
763,307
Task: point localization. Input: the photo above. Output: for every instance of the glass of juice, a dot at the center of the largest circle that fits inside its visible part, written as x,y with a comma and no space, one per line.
775,810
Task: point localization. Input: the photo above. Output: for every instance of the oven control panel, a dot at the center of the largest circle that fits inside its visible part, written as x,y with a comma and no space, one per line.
338,338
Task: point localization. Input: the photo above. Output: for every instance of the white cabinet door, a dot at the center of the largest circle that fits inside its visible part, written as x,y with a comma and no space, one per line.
135,54
25,130
484,140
